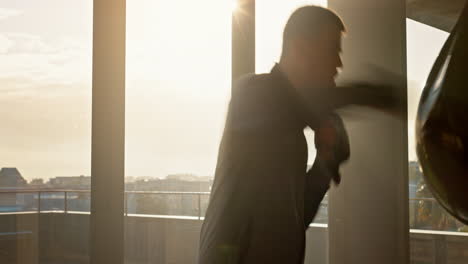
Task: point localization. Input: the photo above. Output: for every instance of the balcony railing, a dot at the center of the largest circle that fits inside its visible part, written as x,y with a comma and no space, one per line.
427,246
59,200
64,194
425,213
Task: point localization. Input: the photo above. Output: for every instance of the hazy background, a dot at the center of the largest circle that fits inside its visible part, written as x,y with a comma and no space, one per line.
178,81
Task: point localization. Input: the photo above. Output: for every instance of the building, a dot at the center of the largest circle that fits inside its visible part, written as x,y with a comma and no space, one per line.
11,178
71,182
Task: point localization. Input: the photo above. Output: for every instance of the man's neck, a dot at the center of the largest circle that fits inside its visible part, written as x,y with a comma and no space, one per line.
291,74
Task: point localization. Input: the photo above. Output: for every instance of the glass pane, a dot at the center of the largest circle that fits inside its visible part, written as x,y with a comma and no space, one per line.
178,86
45,136
271,17
436,237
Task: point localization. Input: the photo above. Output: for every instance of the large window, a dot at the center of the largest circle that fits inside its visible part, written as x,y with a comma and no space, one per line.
436,236
178,86
178,80
45,132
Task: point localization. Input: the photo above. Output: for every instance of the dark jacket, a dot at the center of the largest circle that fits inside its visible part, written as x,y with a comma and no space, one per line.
262,199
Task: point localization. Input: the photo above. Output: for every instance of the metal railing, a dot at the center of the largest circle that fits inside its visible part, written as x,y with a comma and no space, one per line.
197,194
415,207
66,192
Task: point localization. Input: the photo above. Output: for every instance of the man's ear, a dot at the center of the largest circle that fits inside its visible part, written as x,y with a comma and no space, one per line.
299,45
304,45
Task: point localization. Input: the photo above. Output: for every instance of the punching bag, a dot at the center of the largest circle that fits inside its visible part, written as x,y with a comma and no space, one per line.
442,124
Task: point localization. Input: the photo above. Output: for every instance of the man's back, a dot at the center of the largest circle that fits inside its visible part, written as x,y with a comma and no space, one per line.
256,210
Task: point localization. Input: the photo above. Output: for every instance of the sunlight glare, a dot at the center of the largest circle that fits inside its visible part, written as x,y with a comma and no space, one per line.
234,6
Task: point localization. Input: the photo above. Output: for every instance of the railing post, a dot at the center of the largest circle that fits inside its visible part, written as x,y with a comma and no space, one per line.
65,202
126,204
440,248
38,202
199,206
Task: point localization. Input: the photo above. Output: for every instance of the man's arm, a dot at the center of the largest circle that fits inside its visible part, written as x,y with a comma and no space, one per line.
332,143
381,97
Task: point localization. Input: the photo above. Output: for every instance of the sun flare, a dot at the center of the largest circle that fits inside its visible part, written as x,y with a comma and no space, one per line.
234,6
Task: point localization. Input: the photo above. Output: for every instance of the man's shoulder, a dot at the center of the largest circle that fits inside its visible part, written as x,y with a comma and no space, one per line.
253,91
252,84
252,104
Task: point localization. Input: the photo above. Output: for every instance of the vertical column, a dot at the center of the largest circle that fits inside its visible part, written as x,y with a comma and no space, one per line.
368,214
243,38
108,125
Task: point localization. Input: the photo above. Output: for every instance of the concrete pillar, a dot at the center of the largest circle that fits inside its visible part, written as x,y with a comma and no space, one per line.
368,212
108,127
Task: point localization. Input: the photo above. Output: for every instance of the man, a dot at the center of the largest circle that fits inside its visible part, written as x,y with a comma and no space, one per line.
263,199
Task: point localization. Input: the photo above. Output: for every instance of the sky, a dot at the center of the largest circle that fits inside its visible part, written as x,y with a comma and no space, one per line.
423,44
45,87
178,82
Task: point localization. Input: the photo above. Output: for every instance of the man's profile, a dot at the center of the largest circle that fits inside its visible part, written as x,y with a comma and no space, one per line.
263,198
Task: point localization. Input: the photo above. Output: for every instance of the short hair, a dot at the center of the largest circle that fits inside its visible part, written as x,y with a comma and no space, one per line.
309,21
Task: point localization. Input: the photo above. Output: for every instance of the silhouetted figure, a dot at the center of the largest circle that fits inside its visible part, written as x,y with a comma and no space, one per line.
263,198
